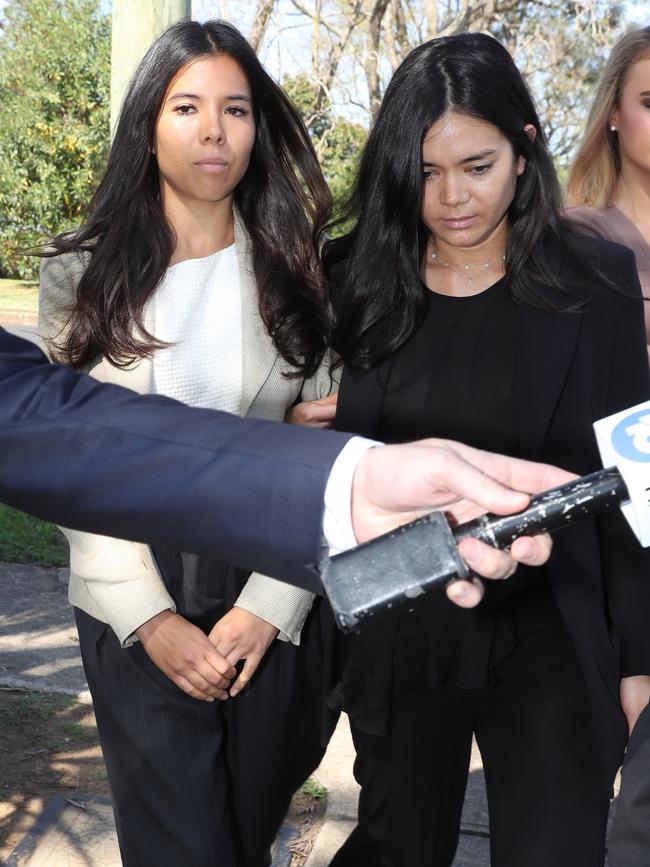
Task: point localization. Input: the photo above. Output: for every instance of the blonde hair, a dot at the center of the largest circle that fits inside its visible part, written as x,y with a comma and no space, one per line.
593,175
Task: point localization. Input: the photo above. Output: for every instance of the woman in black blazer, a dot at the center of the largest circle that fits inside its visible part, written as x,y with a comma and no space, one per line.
468,310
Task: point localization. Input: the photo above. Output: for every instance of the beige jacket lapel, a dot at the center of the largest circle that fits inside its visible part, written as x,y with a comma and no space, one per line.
259,355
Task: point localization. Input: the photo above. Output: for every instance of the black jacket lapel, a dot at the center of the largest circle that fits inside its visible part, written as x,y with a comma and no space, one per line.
546,343
360,400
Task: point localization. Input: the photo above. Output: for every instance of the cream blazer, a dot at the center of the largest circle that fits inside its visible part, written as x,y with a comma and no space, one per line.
116,581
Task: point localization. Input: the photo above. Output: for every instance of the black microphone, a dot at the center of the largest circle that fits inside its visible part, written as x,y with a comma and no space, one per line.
410,560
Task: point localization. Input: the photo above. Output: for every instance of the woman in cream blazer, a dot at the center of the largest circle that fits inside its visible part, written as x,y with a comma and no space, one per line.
118,582
217,213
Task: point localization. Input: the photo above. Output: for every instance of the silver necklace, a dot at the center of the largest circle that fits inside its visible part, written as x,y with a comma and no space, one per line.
466,274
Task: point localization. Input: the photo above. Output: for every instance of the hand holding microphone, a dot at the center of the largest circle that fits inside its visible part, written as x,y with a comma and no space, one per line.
422,554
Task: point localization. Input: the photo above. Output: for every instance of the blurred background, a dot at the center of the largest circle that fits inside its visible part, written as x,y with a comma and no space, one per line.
334,57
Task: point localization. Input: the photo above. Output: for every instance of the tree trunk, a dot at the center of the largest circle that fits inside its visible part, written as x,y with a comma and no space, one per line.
372,62
261,22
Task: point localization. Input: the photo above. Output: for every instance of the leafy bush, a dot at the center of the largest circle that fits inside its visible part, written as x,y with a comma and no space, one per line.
54,93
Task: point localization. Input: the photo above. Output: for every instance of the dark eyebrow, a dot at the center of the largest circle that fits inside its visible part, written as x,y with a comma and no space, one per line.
237,96
480,156
645,93
182,96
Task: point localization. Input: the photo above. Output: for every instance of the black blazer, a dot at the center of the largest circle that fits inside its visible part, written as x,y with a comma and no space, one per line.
208,482
574,368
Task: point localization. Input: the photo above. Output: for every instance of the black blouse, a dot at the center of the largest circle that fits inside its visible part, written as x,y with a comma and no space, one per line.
455,379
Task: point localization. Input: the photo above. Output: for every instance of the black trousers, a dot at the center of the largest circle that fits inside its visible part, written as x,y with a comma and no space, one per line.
547,795
198,784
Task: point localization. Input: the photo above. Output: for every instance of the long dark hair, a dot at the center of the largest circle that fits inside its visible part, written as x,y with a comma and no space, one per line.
283,201
472,74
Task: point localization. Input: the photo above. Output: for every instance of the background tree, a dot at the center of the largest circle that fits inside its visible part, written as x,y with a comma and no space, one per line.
357,44
337,57
54,135
338,141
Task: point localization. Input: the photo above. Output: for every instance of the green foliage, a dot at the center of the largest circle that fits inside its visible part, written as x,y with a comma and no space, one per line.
54,93
313,789
25,540
339,153
303,93
338,142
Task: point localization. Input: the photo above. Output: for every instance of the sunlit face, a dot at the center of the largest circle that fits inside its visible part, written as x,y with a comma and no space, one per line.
205,131
632,117
470,173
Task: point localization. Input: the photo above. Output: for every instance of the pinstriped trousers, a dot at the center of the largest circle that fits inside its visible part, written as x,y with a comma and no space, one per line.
199,784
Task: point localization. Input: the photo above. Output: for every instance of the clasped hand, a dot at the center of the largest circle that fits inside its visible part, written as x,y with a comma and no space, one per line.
204,666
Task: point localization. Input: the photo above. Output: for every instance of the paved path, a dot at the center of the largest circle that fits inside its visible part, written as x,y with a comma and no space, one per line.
39,651
335,773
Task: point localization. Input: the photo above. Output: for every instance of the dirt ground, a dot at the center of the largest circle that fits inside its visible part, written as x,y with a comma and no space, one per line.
49,746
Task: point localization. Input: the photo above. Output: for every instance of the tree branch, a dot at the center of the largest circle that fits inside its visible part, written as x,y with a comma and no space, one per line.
262,18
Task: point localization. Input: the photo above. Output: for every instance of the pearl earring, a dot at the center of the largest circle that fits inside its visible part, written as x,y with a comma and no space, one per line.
613,128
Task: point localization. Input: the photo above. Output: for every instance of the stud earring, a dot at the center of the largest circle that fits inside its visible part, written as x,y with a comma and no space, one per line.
613,128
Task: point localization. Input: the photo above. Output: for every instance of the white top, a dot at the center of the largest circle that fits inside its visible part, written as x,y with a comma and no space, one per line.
197,308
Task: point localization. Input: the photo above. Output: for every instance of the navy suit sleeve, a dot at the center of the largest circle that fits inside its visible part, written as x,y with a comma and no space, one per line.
100,458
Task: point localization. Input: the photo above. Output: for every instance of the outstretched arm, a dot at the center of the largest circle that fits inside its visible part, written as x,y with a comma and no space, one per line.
249,491
203,476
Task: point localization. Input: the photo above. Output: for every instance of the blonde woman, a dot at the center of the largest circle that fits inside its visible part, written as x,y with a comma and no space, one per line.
609,181
609,189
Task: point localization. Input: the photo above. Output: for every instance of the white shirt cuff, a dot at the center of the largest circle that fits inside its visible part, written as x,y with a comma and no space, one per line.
337,518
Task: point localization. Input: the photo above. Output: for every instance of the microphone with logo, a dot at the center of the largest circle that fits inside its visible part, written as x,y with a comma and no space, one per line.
406,562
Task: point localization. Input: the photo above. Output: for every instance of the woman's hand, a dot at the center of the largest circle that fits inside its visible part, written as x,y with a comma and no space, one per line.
635,695
243,635
314,413
186,656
